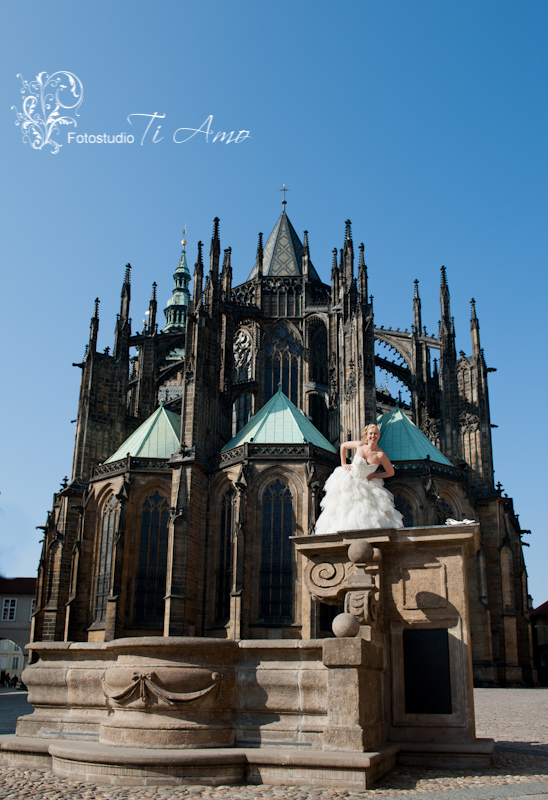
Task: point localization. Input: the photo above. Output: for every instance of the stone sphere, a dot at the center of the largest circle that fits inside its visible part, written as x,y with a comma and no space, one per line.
345,625
360,552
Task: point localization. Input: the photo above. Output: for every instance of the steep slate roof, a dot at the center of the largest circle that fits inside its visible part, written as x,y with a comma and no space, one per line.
279,422
282,254
157,437
541,611
17,586
401,440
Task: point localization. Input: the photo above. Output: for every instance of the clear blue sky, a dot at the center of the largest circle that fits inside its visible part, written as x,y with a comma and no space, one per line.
424,122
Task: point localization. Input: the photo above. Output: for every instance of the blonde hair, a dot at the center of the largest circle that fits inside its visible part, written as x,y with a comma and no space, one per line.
367,427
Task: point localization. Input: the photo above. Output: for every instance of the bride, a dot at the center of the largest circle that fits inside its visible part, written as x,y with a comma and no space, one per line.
355,497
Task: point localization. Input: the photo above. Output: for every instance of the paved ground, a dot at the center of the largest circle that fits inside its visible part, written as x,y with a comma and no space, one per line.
516,718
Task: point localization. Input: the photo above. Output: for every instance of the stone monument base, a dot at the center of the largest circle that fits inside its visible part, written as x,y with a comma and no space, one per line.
124,766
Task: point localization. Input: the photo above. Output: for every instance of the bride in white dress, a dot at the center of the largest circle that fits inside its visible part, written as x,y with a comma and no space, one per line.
355,497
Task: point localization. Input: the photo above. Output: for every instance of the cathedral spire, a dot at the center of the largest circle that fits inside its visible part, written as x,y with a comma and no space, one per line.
126,295
417,316
198,277
177,305
214,252
260,256
305,255
123,322
226,275
362,275
152,308
474,329
348,255
335,286
94,328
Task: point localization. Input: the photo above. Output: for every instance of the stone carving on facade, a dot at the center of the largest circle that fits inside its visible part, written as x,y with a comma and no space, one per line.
469,423
431,428
243,353
351,386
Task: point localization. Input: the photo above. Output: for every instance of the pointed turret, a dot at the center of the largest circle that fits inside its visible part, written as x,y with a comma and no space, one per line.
94,328
283,253
152,308
362,275
198,277
417,316
226,275
305,255
447,327
335,282
259,261
214,252
123,322
474,329
348,255
177,305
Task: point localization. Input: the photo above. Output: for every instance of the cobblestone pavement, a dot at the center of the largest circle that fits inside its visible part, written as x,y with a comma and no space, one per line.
516,718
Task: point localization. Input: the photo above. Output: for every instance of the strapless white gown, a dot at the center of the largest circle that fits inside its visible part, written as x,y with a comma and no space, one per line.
353,503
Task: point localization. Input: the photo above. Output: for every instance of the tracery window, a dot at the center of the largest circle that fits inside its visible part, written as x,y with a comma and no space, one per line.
276,576
109,525
150,585
318,355
241,411
242,349
223,579
318,412
282,363
442,511
406,510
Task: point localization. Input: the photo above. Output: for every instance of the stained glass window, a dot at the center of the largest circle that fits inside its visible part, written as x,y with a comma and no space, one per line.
276,578
224,563
406,510
109,523
150,586
282,363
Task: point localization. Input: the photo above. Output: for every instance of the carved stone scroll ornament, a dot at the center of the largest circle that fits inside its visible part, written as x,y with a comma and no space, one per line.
144,688
326,582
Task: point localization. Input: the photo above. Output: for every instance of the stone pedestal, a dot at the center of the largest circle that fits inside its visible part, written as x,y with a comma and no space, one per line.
328,712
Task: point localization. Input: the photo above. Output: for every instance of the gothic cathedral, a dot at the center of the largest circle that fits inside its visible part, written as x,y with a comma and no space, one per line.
202,447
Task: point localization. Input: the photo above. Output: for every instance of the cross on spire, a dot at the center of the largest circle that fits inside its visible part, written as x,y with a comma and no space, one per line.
284,190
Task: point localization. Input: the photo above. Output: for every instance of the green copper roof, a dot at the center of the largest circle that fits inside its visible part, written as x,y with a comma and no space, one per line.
401,440
176,306
279,422
283,252
157,437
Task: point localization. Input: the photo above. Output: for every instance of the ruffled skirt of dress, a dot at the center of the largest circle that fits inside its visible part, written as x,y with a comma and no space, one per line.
354,503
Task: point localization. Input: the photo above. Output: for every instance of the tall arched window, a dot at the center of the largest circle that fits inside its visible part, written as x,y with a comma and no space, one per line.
109,524
442,511
282,363
318,412
150,586
276,578
318,355
406,510
507,575
241,411
223,579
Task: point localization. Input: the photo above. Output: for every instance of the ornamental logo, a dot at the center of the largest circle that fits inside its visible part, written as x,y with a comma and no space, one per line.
45,101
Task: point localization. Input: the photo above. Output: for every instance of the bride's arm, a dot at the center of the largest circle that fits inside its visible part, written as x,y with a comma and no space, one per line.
389,470
347,446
